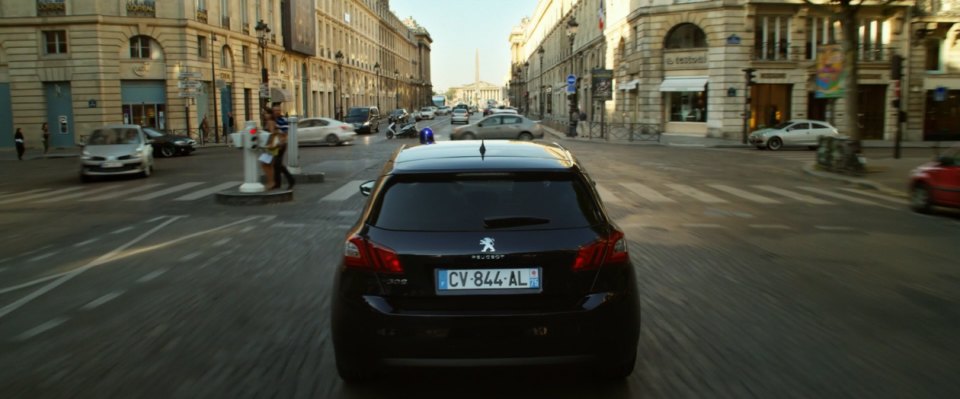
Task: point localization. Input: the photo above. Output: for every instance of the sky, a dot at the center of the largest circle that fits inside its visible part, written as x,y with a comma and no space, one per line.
459,28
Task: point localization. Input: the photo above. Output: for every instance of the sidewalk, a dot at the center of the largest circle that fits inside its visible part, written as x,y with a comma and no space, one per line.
884,173
10,153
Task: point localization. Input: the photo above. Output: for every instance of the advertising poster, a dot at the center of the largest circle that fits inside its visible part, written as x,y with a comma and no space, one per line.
602,83
831,77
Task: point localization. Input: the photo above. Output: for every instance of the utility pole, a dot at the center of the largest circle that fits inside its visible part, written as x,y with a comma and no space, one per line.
213,88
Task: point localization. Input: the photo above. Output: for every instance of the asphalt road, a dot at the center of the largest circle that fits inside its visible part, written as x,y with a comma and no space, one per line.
756,281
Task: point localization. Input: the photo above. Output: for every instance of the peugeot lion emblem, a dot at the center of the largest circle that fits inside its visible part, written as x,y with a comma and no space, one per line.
487,243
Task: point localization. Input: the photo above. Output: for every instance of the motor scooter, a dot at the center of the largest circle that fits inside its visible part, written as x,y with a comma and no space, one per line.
408,131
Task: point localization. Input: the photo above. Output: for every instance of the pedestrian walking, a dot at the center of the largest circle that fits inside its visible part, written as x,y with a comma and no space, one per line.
281,144
21,143
203,129
231,123
46,137
266,157
583,121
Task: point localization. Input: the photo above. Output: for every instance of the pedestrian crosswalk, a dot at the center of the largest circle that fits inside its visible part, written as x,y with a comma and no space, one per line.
612,193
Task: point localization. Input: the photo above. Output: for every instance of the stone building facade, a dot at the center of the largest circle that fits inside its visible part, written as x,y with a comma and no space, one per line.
678,64
79,64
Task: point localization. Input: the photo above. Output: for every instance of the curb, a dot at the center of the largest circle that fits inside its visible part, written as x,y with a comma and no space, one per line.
310,177
235,197
810,169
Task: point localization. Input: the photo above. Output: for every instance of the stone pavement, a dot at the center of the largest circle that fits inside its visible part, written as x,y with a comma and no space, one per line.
884,173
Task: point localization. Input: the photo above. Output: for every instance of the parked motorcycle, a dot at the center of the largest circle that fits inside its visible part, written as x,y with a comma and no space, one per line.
408,131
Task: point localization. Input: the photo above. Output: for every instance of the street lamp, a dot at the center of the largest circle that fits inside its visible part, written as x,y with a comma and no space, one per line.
262,30
525,88
396,76
572,27
540,90
377,68
339,89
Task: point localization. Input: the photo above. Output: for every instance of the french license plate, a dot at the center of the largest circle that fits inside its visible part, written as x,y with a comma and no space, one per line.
489,280
111,164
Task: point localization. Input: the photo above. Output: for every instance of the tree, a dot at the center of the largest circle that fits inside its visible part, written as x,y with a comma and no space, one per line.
450,93
848,12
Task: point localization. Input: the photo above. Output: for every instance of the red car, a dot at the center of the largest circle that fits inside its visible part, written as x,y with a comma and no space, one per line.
936,183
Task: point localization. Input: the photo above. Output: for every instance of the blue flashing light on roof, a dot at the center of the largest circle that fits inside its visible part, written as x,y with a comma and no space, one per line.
426,136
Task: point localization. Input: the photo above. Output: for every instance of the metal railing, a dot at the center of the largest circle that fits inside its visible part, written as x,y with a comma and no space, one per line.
611,131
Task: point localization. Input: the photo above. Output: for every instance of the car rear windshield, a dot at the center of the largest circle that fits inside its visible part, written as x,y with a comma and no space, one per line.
359,112
468,202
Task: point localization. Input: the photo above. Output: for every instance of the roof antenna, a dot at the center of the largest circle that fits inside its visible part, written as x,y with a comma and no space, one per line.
483,149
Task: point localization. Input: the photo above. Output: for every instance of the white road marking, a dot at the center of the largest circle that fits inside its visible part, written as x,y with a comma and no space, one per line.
647,193
33,332
745,194
37,250
4,260
269,218
345,191
246,229
152,275
155,219
40,195
102,300
702,225
794,195
3,269
191,256
697,194
348,213
216,258
76,195
120,193
67,276
123,230
82,243
222,242
209,191
288,225
606,195
23,193
344,226
769,226
835,228
42,257
899,201
165,191
106,258
843,197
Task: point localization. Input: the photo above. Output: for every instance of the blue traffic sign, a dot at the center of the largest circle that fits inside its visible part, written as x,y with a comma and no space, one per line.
571,83
940,94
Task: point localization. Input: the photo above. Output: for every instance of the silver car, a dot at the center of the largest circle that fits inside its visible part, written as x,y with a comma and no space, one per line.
792,133
500,126
460,115
116,150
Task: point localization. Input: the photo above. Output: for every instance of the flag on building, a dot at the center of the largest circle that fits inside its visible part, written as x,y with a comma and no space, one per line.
601,14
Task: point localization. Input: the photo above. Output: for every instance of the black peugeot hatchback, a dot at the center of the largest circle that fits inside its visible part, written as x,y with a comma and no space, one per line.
484,254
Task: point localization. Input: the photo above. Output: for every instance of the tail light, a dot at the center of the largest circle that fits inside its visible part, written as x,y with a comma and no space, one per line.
345,127
362,254
613,249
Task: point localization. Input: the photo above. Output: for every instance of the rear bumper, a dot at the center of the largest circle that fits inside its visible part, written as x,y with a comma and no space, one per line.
370,328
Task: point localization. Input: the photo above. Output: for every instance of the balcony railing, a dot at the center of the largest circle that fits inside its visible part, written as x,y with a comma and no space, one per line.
225,22
141,8
46,8
201,15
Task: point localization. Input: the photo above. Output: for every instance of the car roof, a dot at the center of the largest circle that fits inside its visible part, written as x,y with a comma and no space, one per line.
809,120
465,156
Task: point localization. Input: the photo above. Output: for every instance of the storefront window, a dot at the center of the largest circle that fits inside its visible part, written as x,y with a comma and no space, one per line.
145,115
942,119
688,106
686,35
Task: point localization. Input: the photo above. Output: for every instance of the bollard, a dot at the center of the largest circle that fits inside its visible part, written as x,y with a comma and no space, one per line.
250,141
293,149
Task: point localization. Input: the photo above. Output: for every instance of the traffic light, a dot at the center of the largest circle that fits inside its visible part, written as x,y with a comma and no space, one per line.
252,138
896,67
750,76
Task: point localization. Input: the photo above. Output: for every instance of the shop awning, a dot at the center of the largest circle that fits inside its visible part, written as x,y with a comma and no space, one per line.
686,83
279,95
631,85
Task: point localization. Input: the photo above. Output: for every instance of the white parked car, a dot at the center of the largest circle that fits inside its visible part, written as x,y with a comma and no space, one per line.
427,113
792,133
324,131
460,115
503,111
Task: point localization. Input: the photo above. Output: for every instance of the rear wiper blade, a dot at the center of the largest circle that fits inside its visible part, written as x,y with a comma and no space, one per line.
513,221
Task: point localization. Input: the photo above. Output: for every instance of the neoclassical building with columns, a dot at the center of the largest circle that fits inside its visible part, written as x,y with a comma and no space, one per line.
678,64
79,64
